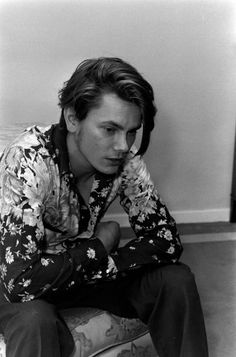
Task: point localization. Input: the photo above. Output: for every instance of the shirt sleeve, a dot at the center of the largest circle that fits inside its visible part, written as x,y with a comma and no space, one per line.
26,272
157,240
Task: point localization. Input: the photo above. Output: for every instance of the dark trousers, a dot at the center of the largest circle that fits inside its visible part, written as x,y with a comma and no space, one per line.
165,298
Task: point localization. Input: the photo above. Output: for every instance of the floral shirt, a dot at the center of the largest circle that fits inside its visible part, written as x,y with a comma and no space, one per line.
48,245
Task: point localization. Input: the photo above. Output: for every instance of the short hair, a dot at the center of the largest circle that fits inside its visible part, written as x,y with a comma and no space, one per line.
95,77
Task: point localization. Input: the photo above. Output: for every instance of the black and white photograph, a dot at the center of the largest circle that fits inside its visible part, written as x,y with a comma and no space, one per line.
117,178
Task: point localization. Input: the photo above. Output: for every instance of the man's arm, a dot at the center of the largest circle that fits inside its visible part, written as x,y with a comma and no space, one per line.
26,271
157,240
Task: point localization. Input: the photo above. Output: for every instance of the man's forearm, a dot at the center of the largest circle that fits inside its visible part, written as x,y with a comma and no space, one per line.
47,272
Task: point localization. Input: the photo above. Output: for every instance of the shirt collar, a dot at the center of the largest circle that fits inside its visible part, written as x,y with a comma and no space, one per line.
58,140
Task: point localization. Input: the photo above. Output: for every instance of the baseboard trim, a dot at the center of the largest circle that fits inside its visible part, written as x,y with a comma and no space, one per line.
202,216
197,216
210,237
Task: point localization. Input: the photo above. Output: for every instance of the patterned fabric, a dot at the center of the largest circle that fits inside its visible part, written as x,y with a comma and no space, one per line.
47,231
99,333
2,346
142,347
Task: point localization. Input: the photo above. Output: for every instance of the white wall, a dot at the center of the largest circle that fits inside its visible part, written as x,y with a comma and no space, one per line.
186,49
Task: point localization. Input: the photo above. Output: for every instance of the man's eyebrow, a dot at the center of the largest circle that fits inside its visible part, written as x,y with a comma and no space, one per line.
118,126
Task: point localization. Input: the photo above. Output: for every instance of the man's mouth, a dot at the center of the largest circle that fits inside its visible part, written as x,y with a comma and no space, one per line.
115,161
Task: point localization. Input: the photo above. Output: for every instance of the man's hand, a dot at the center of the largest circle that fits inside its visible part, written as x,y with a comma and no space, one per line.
109,234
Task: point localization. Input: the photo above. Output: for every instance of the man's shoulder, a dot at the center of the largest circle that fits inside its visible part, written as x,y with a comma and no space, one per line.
134,172
33,141
33,137
133,162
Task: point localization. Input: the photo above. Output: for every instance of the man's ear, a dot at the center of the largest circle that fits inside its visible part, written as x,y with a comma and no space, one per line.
71,120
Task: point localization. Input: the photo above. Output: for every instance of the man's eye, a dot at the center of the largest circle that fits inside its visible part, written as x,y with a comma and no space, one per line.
109,130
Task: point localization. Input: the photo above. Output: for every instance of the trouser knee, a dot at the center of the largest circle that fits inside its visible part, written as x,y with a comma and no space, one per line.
36,314
35,329
178,279
174,278
174,283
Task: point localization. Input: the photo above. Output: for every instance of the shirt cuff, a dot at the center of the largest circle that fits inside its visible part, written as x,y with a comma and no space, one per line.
89,253
120,264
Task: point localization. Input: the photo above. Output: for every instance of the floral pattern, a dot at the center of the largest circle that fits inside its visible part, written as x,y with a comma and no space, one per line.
47,231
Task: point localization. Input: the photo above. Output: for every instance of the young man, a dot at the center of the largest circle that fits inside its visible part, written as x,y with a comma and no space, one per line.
56,183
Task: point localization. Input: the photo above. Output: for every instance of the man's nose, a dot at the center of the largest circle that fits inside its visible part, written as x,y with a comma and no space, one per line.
121,144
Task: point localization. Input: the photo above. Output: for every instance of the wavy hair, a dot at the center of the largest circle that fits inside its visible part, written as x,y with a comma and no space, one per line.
95,77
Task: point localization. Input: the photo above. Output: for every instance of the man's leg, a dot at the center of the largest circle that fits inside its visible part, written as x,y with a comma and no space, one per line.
34,329
167,300
164,297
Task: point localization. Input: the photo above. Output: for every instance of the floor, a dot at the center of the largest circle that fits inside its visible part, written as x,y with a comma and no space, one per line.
214,266
211,254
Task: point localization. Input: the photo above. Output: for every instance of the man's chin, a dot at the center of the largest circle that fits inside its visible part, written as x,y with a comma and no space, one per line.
109,170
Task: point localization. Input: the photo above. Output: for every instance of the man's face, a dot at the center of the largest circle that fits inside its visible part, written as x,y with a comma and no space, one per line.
102,140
